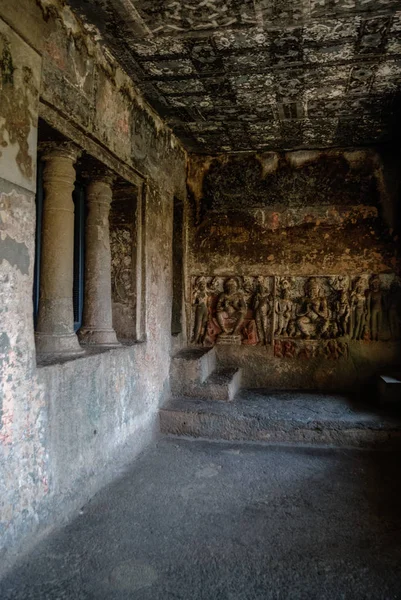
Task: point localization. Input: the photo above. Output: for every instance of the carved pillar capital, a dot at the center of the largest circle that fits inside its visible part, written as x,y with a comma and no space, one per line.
99,186
67,150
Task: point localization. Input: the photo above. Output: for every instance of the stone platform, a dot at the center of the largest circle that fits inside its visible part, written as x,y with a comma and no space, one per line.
284,417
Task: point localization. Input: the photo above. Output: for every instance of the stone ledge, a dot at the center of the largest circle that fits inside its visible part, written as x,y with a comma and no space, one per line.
43,361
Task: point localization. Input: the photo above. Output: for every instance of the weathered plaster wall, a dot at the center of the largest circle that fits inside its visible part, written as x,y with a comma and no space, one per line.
291,216
64,428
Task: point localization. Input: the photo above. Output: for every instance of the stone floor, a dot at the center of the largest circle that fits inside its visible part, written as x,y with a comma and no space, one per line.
198,520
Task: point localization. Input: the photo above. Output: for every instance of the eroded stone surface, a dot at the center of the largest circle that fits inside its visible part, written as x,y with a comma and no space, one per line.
19,95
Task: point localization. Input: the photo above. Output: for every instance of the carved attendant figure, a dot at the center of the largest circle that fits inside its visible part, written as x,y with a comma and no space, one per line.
313,315
394,307
375,308
343,311
231,308
358,308
201,304
262,307
283,309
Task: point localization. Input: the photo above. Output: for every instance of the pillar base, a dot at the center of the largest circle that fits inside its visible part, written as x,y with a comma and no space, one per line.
63,345
98,337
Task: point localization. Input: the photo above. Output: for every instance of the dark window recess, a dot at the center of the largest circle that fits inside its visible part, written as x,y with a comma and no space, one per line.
178,222
79,240
38,240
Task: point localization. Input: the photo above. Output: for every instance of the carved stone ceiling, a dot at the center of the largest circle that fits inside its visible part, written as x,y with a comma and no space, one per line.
237,75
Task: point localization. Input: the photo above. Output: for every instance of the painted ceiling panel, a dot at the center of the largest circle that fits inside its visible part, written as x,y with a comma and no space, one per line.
237,75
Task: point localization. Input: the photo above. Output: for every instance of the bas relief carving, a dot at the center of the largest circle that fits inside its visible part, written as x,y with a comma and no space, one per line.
122,242
200,302
330,350
394,309
283,309
262,305
312,315
302,317
231,310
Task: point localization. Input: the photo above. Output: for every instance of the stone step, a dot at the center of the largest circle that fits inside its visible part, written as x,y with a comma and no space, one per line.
191,366
283,417
222,385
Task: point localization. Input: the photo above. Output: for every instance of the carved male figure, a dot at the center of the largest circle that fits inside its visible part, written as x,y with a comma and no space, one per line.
231,308
262,308
394,308
375,307
358,309
283,309
313,314
201,303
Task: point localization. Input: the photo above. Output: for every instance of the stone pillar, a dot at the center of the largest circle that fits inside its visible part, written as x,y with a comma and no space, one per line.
55,330
97,324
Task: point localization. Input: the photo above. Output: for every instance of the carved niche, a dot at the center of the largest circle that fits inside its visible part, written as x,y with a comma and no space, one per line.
123,276
232,310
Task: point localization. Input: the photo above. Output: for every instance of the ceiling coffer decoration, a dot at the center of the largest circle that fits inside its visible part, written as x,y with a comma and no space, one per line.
236,75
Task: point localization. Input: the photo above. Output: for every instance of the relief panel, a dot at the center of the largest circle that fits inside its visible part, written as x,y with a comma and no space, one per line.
302,317
232,310
365,307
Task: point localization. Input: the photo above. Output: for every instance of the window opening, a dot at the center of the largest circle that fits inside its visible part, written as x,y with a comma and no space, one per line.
79,256
38,240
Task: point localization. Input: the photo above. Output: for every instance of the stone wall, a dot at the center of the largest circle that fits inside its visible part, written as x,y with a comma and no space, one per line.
64,428
309,240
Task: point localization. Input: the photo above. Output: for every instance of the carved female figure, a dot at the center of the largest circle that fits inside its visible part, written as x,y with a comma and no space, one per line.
283,309
200,301
358,309
262,308
375,307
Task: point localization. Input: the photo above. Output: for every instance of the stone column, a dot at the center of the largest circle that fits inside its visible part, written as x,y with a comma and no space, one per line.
55,330
97,324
